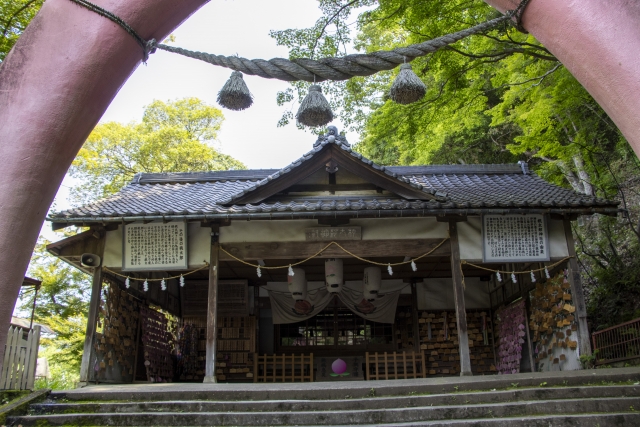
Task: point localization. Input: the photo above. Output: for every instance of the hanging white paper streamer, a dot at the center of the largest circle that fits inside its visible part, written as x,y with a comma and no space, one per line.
163,285
145,286
533,277
498,276
181,281
389,269
259,272
126,283
414,267
546,272
513,278
291,273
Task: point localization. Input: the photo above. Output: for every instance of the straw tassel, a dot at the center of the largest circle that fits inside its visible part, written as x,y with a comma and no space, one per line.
407,87
315,109
235,94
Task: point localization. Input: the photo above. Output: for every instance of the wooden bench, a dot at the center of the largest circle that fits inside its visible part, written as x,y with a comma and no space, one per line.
395,366
282,368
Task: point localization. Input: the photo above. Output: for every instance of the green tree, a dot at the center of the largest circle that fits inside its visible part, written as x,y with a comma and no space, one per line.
15,15
175,136
62,304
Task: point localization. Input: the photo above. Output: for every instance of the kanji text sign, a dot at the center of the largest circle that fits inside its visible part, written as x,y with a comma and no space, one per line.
515,238
155,246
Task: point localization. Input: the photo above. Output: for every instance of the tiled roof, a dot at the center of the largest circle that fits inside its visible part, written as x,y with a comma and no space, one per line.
456,187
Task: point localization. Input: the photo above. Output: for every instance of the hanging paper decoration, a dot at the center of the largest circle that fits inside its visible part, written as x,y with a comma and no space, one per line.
291,272
126,283
389,269
407,87
513,278
259,272
298,284
371,283
533,277
235,94
181,281
145,286
163,285
498,276
546,272
315,109
414,267
333,272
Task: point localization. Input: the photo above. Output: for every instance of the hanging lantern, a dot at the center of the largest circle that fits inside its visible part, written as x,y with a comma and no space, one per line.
235,94
298,284
407,87
333,272
371,283
315,109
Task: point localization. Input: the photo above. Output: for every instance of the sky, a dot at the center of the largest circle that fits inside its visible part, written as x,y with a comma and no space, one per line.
224,27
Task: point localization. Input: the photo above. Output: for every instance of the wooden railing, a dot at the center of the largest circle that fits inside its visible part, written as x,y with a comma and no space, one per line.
19,359
395,366
282,368
617,343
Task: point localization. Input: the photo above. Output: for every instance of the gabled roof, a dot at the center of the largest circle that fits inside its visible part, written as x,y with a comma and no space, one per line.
415,190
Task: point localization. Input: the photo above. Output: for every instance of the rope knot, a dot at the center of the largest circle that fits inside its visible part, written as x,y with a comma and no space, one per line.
517,15
149,48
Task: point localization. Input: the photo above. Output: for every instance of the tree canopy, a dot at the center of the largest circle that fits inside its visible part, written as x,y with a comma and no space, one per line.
176,136
15,15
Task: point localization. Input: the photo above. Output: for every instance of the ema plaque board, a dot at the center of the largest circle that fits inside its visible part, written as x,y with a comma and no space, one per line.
514,238
155,246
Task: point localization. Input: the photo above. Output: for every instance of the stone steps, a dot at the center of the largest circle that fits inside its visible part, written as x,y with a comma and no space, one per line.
584,399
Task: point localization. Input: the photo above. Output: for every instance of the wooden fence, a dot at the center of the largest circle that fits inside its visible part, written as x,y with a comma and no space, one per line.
395,366
283,368
20,356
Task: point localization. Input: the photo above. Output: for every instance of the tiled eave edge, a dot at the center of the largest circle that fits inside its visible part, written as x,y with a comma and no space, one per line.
370,213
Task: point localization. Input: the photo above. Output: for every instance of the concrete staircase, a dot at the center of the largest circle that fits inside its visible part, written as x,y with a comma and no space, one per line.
581,398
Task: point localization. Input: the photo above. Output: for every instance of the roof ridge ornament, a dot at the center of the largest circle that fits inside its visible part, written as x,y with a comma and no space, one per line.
331,137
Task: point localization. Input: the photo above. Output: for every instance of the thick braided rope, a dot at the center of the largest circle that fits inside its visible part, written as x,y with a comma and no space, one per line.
342,68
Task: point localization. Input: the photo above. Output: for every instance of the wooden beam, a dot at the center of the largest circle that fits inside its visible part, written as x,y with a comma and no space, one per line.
212,308
364,248
414,317
577,292
92,317
458,297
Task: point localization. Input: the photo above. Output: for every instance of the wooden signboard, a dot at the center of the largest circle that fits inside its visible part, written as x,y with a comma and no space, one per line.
154,246
328,234
514,238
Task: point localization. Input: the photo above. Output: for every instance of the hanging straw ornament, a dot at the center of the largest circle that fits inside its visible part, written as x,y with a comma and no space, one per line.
181,281
145,286
163,285
414,267
291,273
498,276
126,283
533,277
315,109
235,94
407,87
389,269
259,272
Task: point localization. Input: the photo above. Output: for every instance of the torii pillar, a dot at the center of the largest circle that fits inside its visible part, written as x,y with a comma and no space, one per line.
69,64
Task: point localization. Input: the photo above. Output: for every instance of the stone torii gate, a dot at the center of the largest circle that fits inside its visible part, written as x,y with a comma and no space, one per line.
69,64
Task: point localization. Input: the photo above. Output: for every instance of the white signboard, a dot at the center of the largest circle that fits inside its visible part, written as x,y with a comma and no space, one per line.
155,246
514,238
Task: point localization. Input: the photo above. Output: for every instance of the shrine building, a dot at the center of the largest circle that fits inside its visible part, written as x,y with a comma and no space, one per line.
333,268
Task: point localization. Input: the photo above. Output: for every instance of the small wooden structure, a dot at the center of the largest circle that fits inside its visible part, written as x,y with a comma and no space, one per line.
20,356
201,247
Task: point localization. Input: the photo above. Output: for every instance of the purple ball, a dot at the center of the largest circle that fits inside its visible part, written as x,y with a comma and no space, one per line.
339,366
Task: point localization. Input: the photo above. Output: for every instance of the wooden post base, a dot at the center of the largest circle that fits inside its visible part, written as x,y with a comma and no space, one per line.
210,380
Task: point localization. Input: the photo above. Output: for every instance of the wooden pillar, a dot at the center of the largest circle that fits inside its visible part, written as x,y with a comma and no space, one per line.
212,308
458,297
92,317
584,343
414,317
